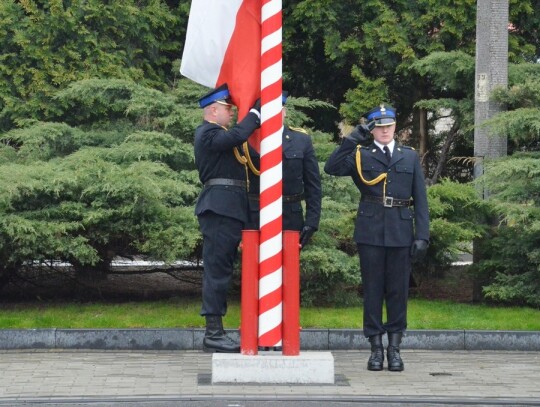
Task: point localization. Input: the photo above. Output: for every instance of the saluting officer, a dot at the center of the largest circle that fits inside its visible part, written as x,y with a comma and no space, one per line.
222,206
301,181
388,232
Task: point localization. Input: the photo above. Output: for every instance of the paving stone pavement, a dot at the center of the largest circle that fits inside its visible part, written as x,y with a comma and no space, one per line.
456,377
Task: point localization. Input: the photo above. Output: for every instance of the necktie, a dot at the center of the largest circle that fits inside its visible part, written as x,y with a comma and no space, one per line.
387,154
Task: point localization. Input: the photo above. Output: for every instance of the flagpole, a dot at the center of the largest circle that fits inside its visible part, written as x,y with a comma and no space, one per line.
271,191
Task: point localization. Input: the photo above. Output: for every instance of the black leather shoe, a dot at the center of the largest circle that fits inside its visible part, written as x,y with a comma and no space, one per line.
216,339
395,364
376,360
221,344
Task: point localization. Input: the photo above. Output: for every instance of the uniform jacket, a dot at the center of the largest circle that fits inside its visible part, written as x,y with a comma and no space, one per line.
214,158
300,175
375,224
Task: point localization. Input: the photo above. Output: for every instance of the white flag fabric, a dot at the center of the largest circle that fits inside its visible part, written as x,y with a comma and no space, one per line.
210,28
223,45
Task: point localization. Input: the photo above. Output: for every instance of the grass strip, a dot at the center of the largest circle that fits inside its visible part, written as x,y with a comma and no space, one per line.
184,313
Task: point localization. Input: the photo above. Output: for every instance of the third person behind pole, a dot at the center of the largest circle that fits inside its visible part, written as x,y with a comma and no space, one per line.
301,181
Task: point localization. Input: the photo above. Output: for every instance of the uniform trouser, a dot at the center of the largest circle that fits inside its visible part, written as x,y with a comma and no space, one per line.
221,237
385,278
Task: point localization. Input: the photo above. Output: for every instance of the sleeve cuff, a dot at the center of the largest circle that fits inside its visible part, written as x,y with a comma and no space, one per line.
256,112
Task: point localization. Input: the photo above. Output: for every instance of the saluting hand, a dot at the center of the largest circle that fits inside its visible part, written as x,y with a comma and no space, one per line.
361,134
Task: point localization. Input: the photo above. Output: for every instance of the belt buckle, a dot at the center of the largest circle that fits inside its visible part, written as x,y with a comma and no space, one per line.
388,201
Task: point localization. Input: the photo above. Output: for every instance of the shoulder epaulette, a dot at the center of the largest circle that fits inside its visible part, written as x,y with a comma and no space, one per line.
364,147
298,129
217,124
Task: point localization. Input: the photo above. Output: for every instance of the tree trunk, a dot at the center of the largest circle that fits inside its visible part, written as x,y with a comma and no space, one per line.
442,157
423,136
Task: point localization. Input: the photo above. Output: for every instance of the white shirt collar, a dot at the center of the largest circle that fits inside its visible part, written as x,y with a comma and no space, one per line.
390,146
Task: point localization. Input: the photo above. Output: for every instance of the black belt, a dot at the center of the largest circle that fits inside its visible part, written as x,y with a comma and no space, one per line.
387,201
286,198
226,181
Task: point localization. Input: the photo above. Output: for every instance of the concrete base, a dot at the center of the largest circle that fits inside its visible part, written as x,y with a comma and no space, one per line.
273,367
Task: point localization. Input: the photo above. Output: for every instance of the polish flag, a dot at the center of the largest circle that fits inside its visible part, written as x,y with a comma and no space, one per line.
223,45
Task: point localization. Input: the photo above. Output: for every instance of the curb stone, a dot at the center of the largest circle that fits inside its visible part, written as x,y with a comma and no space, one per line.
310,339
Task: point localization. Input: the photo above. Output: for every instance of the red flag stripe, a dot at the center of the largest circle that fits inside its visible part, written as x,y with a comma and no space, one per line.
241,66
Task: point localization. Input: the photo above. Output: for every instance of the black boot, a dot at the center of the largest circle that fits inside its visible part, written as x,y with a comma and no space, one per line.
216,339
395,364
376,360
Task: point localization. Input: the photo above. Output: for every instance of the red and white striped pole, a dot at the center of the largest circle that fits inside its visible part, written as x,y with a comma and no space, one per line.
249,344
291,293
270,254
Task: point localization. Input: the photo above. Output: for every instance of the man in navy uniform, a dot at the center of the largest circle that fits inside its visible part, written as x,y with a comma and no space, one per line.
222,206
301,181
389,234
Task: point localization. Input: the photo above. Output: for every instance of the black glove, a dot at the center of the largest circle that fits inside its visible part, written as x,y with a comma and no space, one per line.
361,135
257,105
305,235
419,250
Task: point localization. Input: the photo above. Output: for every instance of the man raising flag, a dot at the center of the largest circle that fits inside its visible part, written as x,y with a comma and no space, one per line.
238,43
222,51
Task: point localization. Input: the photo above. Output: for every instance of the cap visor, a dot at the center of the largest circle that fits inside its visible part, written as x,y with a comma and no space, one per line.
223,102
385,122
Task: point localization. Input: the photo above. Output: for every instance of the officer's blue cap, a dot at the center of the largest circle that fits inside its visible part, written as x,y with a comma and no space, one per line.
218,95
381,116
284,96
